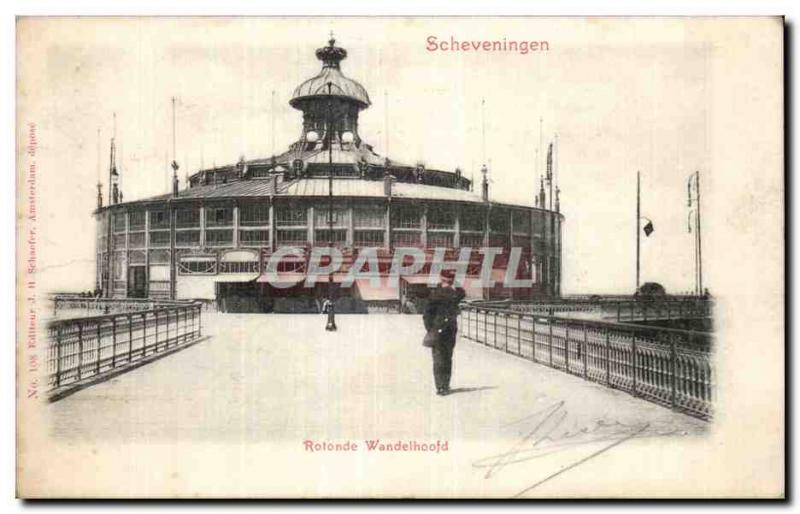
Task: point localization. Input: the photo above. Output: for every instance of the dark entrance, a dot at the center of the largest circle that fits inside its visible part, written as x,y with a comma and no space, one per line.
137,282
240,297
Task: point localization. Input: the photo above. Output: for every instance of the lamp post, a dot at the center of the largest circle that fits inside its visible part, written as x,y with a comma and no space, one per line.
330,326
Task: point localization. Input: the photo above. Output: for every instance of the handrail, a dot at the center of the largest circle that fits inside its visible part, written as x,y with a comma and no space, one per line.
627,327
627,310
93,346
62,301
668,366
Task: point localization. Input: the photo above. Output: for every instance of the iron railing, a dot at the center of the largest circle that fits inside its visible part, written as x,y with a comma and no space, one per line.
85,347
662,310
110,305
618,309
667,366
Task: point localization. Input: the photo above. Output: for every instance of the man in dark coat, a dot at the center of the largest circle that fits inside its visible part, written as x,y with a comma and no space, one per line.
441,315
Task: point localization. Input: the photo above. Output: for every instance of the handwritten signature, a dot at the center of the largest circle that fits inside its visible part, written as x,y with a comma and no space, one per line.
547,435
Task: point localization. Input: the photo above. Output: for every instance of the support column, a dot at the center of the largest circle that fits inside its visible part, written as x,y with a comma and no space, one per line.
127,253
457,229
109,259
236,226
486,225
271,235
558,256
534,262
510,228
349,238
147,252
423,233
172,259
388,242
202,226
311,222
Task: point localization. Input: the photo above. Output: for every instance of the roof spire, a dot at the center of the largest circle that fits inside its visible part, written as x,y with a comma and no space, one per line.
331,55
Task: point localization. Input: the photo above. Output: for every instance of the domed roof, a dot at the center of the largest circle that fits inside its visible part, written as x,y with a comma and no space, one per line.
341,86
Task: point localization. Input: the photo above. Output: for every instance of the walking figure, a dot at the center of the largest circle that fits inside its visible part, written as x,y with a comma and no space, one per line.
441,318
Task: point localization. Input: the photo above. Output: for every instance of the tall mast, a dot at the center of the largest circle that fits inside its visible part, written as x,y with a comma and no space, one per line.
99,185
173,128
539,153
174,155
638,214
112,163
386,121
272,122
483,130
699,239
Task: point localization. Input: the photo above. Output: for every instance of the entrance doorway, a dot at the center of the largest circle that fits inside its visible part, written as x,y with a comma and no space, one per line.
239,297
137,282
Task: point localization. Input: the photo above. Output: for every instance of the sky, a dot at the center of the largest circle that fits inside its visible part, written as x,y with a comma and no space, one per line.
622,96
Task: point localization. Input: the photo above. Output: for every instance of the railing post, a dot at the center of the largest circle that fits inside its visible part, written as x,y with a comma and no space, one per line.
585,351
633,362
566,348
80,349
519,334
477,333
494,329
533,338
144,331
673,354
130,338
113,341
619,311
58,356
608,358
550,339
155,343
505,329
485,328
99,337
199,321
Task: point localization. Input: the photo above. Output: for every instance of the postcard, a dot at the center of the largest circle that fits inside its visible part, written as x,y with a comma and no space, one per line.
400,257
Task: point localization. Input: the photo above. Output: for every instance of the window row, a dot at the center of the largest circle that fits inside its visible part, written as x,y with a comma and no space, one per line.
361,237
257,214
211,267
368,224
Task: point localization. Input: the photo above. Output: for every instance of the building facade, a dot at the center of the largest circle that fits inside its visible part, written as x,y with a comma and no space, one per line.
213,239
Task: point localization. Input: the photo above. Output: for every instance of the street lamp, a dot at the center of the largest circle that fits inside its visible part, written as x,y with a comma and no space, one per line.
330,326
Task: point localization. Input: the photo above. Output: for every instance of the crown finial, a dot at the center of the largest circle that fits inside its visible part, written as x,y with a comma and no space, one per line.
331,55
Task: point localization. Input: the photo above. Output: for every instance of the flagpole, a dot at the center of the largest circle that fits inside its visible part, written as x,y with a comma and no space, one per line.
699,239
638,209
550,179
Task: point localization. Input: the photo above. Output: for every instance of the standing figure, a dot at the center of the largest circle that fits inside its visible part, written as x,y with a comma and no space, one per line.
441,316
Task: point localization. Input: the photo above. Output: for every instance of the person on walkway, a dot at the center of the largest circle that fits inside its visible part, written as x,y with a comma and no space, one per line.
441,316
